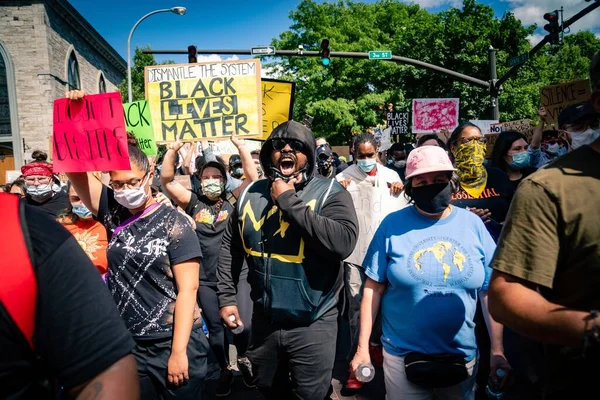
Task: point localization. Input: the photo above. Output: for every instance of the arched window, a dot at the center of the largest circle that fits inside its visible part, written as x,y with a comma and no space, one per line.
73,72
10,148
101,84
5,129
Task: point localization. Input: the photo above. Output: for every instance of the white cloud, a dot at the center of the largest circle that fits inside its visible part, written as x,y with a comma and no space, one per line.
273,71
535,38
532,12
215,57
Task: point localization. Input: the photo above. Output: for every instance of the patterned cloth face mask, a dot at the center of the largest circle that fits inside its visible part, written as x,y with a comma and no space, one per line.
468,160
212,187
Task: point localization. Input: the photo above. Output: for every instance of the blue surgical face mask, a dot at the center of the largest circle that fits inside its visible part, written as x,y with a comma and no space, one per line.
82,211
520,160
367,165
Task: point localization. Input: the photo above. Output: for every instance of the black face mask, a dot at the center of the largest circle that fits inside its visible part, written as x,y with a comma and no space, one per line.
433,199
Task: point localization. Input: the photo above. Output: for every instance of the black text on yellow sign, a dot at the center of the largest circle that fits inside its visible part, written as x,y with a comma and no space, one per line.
205,102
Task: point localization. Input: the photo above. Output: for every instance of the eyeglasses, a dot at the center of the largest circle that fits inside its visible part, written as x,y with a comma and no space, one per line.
472,139
295,145
130,184
30,180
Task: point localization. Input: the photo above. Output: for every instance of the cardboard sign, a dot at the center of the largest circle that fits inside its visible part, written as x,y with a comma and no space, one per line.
491,141
12,175
372,205
484,124
139,122
385,140
522,126
210,100
432,115
89,135
277,104
398,122
556,98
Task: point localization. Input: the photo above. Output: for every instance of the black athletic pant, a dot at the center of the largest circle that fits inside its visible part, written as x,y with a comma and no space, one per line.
152,357
293,362
209,303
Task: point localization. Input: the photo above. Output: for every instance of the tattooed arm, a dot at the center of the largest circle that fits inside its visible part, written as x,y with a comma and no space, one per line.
119,381
174,189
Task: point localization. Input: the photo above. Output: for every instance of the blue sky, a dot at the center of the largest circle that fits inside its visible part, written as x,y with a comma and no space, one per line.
246,23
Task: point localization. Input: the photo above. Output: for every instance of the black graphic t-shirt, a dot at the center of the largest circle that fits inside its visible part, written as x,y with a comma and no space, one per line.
496,197
140,261
210,226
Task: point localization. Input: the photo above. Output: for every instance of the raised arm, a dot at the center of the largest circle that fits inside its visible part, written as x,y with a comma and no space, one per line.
247,164
174,189
187,159
87,186
536,139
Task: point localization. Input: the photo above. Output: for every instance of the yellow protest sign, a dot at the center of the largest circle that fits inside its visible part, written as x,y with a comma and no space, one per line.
277,104
209,100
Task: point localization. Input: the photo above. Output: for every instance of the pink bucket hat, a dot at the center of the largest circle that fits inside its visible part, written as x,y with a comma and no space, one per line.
427,159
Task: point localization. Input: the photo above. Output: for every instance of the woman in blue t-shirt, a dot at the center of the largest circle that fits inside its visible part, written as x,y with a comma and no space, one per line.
427,265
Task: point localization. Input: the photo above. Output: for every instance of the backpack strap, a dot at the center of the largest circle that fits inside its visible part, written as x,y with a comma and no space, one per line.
18,286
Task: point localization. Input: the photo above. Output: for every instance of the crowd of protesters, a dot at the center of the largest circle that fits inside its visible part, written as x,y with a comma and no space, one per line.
484,275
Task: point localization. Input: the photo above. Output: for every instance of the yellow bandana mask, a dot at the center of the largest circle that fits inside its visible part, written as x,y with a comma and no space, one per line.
468,160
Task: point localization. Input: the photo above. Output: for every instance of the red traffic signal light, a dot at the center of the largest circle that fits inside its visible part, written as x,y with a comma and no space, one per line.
551,16
552,27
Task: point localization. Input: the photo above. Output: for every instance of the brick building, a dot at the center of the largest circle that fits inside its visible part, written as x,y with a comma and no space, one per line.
46,47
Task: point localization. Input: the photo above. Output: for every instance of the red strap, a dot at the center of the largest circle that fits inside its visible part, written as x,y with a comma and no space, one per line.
18,287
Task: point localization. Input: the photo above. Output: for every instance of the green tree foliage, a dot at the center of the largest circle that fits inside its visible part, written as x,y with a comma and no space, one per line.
350,94
140,61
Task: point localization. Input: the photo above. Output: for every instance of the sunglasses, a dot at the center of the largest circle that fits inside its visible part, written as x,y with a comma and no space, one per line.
295,145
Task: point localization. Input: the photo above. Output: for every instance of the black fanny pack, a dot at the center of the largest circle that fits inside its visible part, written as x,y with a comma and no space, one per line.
435,370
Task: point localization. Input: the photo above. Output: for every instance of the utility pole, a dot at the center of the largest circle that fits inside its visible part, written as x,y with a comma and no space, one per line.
493,79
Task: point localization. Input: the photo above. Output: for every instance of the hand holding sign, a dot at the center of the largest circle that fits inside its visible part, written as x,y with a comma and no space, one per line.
89,133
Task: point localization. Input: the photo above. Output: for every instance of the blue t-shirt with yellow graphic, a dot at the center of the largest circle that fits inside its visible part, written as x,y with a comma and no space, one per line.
433,270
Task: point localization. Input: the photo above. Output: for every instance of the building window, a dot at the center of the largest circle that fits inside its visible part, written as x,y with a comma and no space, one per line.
10,149
101,84
73,72
5,129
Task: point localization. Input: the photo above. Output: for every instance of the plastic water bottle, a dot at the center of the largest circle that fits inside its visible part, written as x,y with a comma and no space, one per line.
238,329
365,373
493,389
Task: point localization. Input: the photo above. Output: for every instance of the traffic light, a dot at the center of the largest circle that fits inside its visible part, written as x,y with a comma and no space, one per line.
325,60
192,55
552,27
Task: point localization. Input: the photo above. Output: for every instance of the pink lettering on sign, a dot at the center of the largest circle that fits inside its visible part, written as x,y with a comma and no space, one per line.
89,134
432,115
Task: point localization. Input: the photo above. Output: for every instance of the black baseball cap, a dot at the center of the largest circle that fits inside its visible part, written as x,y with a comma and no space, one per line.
235,160
575,113
324,149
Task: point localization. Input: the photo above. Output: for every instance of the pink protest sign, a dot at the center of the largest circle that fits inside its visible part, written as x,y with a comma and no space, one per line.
89,134
432,115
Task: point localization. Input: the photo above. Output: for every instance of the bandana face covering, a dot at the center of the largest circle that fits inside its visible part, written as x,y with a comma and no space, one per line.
468,160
